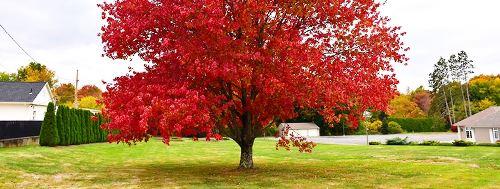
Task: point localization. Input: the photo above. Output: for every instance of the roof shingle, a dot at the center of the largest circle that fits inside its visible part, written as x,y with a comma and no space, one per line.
300,126
486,118
20,91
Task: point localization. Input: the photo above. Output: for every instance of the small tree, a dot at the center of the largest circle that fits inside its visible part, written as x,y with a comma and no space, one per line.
48,133
65,125
60,125
72,127
78,127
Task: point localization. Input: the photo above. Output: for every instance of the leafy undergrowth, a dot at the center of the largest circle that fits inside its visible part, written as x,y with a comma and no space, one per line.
189,164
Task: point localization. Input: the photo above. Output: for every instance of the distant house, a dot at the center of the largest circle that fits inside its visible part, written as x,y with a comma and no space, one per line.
301,129
23,101
22,108
483,127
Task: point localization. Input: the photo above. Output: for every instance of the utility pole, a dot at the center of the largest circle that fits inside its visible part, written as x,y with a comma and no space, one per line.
75,103
367,115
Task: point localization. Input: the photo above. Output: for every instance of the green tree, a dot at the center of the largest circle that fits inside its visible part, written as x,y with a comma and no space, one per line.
48,132
4,76
60,125
65,125
88,127
72,123
78,127
438,80
460,68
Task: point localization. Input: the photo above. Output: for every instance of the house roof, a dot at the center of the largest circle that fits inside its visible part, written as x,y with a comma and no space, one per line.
20,91
300,126
486,118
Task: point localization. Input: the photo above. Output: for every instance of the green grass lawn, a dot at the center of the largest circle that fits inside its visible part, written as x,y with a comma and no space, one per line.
188,164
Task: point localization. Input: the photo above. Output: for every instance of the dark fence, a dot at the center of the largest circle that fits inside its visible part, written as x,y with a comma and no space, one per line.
17,129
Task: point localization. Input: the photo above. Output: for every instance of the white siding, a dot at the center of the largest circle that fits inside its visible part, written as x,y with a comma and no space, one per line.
44,97
16,112
305,132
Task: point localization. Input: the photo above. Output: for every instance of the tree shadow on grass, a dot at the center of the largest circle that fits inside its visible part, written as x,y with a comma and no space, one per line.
211,175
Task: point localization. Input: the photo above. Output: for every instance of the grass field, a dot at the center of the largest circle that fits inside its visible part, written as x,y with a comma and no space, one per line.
188,164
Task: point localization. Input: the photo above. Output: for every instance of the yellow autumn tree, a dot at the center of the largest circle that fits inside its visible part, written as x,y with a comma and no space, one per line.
89,102
36,72
404,107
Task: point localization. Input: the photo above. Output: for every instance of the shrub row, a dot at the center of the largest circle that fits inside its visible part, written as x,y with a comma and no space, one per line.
71,127
404,141
420,124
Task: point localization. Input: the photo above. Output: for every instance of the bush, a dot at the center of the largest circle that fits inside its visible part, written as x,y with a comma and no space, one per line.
394,128
361,130
430,143
462,143
374,143
420,124
398,141
48,132
374,128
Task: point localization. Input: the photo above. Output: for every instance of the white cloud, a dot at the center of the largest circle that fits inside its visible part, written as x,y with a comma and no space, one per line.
63,35
440,28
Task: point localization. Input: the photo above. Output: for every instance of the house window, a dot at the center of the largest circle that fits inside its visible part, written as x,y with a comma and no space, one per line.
468,132
496,134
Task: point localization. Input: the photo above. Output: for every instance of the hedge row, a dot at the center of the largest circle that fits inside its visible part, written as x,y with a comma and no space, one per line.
72,127
420,124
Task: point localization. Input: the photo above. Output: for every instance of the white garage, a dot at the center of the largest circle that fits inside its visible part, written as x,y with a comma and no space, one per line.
302,129
24,101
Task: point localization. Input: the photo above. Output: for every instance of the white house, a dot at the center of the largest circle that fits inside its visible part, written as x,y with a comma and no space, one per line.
24,101
301,129
483,127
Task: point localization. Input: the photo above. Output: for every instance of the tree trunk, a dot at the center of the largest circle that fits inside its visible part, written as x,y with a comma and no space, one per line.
468,97
447,107
452,106
463,99
246,158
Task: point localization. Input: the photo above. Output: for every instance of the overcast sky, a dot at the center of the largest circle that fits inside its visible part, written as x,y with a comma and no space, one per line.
62,34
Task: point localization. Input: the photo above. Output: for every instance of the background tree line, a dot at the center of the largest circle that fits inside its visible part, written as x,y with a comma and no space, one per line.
88,95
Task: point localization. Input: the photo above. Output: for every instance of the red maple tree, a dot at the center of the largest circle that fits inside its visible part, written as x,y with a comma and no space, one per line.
89,90
235,67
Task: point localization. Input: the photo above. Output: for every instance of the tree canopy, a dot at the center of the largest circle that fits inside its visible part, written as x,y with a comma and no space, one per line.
235,67
65,93
35,72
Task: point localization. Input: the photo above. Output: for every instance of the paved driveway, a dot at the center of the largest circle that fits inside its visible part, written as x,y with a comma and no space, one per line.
361,139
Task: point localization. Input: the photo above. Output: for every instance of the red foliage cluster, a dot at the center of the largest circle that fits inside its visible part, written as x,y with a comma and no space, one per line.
94,118
286,137
237,66
89,90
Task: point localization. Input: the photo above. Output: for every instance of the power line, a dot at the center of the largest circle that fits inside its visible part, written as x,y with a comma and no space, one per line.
25,52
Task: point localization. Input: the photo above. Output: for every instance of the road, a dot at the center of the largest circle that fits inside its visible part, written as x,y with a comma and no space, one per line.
361,139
